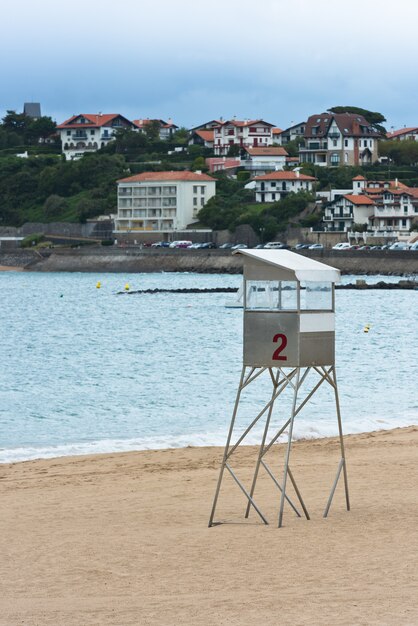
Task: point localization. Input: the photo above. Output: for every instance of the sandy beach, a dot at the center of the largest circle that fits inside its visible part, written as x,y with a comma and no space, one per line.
122,539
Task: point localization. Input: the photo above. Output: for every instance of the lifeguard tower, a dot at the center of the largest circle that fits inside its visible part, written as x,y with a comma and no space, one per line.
289,331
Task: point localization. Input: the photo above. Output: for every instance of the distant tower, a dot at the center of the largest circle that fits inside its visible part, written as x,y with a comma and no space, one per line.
32,109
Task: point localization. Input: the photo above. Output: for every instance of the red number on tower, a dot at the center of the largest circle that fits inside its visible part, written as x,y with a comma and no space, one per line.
276,354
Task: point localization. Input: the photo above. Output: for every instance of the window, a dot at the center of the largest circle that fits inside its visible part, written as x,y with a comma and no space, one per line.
253,129
272,184
231,131
194,201
68,132
272,294
335,159
92,132
195,188
316,295
202,201
334,142
202,189
273,196
346,143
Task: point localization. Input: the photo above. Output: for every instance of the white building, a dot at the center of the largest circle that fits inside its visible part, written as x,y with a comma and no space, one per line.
385,207
263,160
161,201
335,139
89,132
276,185
247,134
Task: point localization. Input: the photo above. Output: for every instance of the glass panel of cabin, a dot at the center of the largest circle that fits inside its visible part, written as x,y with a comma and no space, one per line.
316,296
271,295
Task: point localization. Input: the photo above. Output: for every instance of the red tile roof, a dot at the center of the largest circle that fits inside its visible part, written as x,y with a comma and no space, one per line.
245,123
284,176
143,122
401,131
267,151
359,177
206,135
95,120
166,176
359,200
276,131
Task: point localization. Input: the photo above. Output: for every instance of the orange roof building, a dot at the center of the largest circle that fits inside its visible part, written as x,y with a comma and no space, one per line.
161,202
88,132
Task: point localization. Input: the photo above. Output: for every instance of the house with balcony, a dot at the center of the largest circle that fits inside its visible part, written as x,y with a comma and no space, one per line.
89,132
277,185
166,128
161,202
244,134
336,139
263,160
385,207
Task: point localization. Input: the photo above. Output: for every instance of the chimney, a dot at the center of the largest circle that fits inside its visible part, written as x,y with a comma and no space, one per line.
297,173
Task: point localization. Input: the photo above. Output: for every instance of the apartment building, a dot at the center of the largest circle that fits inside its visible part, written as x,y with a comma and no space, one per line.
335,139
385,207
277,185
244,134
89,132
161,201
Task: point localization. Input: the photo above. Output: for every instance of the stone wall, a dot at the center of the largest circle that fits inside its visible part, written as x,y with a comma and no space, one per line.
113,259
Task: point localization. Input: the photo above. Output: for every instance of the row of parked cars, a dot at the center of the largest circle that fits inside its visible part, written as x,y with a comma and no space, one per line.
278,245
398,245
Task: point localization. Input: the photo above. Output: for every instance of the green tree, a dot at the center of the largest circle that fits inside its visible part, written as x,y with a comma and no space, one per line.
152,130
55,205
180,137
373,117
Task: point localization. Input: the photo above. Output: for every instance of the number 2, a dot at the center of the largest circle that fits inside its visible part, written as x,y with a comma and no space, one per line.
276,354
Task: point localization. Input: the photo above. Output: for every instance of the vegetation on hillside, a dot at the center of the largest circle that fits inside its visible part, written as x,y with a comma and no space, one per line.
234,205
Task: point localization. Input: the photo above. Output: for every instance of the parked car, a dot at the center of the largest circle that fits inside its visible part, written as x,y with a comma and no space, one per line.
195,246
364,248
208,245
160,244
259,247
414,246
180,244
272,245
376,248
343,245
399,245
316,246
239,246
226,246
301,246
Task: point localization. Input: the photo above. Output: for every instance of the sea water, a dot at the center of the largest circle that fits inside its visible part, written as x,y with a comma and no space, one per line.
88,370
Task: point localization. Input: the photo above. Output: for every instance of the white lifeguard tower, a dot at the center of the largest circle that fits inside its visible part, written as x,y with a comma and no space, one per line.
289,331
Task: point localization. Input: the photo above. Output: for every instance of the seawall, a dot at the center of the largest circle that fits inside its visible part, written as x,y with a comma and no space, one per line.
106,259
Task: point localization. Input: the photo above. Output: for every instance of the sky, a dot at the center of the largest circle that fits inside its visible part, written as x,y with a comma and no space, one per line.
191,61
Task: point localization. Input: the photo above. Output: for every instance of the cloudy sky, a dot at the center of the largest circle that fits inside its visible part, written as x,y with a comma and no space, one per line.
280,60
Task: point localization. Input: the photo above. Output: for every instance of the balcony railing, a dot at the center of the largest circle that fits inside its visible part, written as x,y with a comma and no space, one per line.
315,145
334,135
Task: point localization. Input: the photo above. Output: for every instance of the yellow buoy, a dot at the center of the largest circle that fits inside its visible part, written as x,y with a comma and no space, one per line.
98,284
127,287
